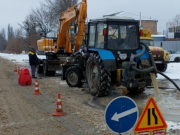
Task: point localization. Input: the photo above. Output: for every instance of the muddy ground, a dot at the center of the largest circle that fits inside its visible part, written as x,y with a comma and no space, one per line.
21,112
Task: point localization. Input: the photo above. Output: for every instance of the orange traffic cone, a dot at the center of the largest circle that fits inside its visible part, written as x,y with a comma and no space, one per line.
59,110
18,70
15,68
36,91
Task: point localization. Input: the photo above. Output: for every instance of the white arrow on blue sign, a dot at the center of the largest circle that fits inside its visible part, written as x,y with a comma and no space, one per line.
121,114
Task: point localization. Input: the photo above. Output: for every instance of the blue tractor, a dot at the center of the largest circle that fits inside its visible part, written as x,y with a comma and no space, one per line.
111,55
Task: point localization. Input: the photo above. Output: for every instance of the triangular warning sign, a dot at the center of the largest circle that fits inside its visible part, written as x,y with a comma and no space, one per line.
151,118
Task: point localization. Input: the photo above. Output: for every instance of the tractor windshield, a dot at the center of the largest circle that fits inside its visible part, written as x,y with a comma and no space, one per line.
122,37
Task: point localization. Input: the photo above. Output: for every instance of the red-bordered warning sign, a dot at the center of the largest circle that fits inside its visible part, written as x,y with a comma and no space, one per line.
151,118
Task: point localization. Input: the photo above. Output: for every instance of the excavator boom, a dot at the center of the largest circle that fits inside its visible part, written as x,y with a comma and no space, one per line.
67,18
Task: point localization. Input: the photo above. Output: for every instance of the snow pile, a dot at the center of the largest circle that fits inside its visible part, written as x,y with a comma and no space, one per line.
172,125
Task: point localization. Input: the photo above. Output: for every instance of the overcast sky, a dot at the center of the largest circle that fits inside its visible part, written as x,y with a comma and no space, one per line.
15,11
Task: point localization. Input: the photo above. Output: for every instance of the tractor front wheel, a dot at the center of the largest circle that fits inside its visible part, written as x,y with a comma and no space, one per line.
74,77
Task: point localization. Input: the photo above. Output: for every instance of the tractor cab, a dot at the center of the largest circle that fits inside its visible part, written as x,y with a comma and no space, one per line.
117,34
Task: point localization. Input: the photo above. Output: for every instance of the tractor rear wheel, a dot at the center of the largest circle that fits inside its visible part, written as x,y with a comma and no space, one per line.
97,77
74,77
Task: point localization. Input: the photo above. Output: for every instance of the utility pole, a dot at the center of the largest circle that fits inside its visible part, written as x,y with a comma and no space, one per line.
140,26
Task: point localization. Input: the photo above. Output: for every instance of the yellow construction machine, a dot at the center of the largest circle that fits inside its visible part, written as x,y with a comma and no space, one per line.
160,56
58,49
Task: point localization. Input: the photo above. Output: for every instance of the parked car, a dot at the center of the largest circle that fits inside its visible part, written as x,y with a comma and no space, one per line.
171,52
175,57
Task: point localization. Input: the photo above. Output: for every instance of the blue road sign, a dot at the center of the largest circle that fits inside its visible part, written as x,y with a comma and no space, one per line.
121,114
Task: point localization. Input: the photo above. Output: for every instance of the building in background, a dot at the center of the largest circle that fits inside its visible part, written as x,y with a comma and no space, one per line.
150,25
173,31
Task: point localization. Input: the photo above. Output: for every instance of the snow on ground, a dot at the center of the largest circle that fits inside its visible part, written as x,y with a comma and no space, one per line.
170,100
19,58
172,125
173,71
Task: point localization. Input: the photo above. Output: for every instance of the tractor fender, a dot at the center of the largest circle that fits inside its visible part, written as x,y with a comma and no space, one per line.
107,57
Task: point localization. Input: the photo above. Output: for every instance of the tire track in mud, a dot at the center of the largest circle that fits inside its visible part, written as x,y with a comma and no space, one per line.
3,108
71,123
22,111
18,109
15,106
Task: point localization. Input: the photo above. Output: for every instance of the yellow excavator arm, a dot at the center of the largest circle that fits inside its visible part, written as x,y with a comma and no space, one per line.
67,18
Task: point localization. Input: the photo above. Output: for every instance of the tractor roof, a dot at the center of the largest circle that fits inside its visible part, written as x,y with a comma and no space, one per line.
114,18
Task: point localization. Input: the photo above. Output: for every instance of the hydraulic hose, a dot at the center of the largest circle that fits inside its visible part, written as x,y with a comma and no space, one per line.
151,57
139,54
169,79
142,71
153,67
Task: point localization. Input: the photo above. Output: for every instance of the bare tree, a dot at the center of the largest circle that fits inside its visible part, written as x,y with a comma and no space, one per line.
43,20
10,32
177,20
3,41
10,36
56,7
28,26
18,42
31,34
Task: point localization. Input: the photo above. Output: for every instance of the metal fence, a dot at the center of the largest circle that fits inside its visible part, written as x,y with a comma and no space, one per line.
168,45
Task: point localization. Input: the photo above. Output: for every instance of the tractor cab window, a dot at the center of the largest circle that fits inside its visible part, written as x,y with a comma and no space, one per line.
99,36
92,35
122,37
